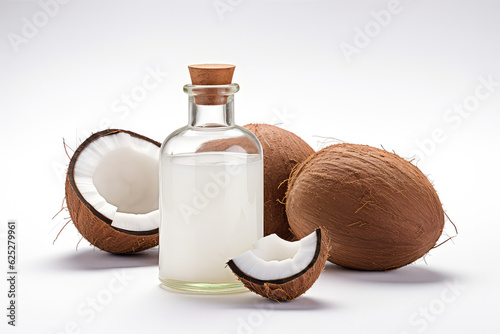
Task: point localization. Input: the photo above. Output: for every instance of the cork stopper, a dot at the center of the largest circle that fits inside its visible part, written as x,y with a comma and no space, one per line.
211,74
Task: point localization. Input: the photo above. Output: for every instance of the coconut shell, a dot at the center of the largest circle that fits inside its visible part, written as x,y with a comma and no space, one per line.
288,288
380,212
283,150
94,226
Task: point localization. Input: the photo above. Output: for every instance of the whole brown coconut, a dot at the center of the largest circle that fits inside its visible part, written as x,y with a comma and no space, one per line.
380,212
283,150
94,226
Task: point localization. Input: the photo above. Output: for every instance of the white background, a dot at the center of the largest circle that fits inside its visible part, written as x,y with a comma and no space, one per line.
66,80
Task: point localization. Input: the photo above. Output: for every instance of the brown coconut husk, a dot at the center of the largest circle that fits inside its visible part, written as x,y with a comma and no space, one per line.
283,150
94,226
237,144
379,211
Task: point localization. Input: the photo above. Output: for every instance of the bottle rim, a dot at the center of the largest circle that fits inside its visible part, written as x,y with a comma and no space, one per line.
221,90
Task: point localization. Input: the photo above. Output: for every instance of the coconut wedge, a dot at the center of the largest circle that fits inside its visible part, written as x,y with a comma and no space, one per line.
281,270
112,191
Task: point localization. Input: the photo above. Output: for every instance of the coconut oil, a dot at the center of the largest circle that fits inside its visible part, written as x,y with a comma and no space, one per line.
211,215
211,189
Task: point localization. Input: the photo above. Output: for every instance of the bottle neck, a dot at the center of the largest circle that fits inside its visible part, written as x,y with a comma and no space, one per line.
219,115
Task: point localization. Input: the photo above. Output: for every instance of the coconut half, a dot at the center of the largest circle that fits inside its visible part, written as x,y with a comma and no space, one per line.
281,270
112,191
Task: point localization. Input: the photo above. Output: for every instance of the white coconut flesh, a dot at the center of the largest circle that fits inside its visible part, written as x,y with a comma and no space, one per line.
118,175
273,258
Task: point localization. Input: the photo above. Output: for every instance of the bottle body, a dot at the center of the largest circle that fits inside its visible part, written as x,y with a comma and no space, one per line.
211,202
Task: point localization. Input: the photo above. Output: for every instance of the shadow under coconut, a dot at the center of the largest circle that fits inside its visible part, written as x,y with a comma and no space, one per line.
412,274
97,259
303,303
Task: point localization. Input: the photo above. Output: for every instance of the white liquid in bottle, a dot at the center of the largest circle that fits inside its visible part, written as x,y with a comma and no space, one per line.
211,210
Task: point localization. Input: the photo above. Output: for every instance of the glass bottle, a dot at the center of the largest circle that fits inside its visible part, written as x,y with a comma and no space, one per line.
211,189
